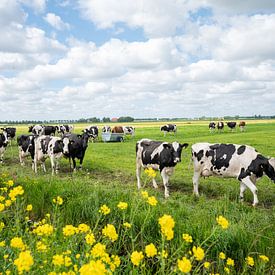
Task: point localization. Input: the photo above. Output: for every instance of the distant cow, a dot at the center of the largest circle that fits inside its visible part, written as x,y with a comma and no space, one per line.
118,130
128,130
3,145
36,129
242,125
220,126
25,147
52,147
162,156
212,126
231,161
77,147
49,130
169,128
65,128
106,129
92,131
231,125
11,132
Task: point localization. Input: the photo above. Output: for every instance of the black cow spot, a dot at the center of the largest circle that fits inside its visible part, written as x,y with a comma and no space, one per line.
200,155
241,149
202,162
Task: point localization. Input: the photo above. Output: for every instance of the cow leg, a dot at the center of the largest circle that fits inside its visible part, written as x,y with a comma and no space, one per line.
74,164
242,189
52,164
247,181
165,178
43,166
21,158
155,183
138,172
196,181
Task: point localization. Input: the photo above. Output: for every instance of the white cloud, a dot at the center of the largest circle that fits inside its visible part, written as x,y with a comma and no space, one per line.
38,6
56,22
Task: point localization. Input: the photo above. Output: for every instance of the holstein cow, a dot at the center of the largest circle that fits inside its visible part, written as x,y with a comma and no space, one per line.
92,131
77,147
36,129
106,129
65,128
220,126
3,145
242,162
26,148
49,130
52,147
242,125
118,130
162,156
169,128
128,130
212,126
10,131
231,125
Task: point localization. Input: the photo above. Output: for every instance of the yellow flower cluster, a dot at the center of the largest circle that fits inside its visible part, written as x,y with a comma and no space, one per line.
104,209
40,246
167,224
90,238
223,222
58,200
198,253
187,238
264,258
29,207
17,242
110,231
16,191
144,194
250,261
137,257
43,230
127,225
69,230
24,261
83,228
152,201
122,205
150,172
150,250
60,259
184,265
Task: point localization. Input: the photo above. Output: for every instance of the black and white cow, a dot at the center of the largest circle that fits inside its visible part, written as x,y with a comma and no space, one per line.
52,147
25,147
212,126
162,156
77,147
36,129
128,130
11,132
242,162
231,125
65,128
169,128
106,129
3,144
220,126
92,132
49,130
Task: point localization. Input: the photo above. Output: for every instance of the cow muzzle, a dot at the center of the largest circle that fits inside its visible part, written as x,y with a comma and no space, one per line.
176,160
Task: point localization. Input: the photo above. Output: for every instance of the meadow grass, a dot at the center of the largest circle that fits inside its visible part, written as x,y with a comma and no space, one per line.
108,177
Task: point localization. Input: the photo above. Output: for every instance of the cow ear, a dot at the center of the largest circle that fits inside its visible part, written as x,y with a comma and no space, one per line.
184,145
166,145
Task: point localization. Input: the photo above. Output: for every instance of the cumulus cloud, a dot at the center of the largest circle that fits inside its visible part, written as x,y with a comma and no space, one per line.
56,22
37,5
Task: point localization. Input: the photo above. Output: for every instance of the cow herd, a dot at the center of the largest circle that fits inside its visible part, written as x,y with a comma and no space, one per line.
242,162
231,125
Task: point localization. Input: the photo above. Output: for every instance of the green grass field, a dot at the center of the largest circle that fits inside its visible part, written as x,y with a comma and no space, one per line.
108,177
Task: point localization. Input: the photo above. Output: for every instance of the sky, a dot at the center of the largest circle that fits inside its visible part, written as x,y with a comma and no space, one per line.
65,59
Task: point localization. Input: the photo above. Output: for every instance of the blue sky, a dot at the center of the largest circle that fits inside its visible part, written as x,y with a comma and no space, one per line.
155,58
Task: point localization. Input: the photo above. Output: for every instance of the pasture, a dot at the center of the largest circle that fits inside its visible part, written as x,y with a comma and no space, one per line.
108,177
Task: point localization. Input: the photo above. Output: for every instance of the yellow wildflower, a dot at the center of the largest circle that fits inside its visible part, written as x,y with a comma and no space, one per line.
150,250
58,260
99,250
122,205
2,198
198,253
136,257
83,228
10,183
6,256
222,256
164,254
77,256
110,231
167,224
29,207
2,244
150,172
184,265
206,265
127,225
144,194
40,246
227,270
104,209
187,238
230,262
24,261
93,267
67,261
45,229
2,225
2,207
58,200
250,261
223,222
152,201
264,258
8,203
90,238
17,242
69,230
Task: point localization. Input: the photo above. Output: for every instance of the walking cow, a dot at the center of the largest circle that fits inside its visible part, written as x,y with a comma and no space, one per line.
169,128
242,162
162,156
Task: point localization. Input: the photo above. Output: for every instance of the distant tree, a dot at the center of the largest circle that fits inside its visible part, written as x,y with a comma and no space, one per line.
106,119
125,119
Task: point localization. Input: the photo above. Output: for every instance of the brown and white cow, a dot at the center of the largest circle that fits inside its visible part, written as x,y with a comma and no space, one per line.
242,125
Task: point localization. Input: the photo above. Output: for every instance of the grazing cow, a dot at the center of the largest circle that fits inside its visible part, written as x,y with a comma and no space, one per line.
169,128
36,129
25,147
92,131
52,147
106,129
77,147
3,145
49,130
118,130
220,126
162,156
128,130
231,125
212,126
242,125
231,161
63,129
11,132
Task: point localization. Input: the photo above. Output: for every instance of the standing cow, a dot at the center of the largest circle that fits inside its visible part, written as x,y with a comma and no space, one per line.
220,126
49,130
231,125
118,130
242,125
10,131
212,126
128,130
26,148
162,156
231,161
169,128
92,132
3,145
106,129
36,129
52,147
64,129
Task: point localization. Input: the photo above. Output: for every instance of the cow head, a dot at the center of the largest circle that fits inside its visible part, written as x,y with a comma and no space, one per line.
30,128
270,172
5,138
175,148
66,143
